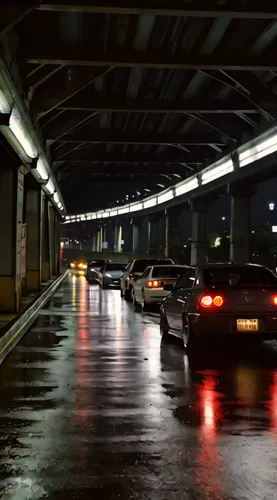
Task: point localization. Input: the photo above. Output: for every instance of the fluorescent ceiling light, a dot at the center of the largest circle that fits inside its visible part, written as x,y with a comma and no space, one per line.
4,105
105,215
150,203
123,210
50,188
56,198
113,213
83,217
187,186
136,207
41,170
211,174
265,148
165,197
19,130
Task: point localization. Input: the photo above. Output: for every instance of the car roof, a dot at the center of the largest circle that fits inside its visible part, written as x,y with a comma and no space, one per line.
228,264
169,265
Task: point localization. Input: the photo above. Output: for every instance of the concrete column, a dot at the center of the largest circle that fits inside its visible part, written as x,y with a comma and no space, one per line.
58,243
135,245
153,236
34,238
240,225
118,241
52,237
46,252
11,214
172,239
199,244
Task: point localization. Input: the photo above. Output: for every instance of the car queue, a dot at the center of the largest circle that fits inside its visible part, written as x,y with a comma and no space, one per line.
197,303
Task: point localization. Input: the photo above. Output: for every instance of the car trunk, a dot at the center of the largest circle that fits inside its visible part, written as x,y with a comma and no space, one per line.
246,299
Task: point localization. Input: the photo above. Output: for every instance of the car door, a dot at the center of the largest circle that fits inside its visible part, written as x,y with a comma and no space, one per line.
139,284
177,301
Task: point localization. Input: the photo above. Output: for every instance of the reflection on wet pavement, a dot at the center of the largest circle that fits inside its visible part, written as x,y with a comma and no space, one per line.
92,404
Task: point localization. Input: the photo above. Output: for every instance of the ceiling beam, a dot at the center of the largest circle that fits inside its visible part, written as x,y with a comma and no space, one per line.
235,9
123,169
13,13
84,157
82,56
203,106
100,136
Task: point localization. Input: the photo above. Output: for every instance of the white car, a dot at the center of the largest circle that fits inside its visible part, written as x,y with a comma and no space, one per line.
134,270
149,288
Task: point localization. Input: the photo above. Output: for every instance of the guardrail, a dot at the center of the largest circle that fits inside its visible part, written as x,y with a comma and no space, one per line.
20,326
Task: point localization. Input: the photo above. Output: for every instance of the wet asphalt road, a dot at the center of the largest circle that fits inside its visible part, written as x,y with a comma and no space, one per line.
93,406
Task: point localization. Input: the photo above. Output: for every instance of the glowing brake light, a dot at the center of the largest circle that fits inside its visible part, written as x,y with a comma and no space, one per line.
275,300
208,301
153,284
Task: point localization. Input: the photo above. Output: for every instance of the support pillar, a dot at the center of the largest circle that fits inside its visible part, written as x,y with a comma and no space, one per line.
11,214
153,237
34,239
199,244
135,242
118,239
172,238
240,250
52,238
46,253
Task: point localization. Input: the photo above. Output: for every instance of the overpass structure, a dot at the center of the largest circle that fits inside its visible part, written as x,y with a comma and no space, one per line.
130,109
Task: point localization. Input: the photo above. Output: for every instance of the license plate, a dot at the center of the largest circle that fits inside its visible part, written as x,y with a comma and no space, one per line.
247,325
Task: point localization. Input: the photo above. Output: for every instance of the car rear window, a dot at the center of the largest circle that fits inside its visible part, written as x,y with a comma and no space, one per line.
115,267
141,265
96,263
168,272
238,276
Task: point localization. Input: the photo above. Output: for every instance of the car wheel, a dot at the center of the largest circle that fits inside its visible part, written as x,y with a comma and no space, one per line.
137,306
188,335
145,305
121,293
127,295
164,328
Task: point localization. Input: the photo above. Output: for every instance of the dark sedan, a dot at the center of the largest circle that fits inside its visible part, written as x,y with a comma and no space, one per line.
221,300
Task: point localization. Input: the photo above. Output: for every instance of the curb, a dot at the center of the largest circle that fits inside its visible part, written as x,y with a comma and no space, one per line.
20,327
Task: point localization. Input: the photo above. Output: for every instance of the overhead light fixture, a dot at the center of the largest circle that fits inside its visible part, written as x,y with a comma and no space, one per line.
113,213
41,171
150,203
135,207
123,210
186,186
56,198
105,215
4,105
215,172
49,187
19,130
262,149
165,197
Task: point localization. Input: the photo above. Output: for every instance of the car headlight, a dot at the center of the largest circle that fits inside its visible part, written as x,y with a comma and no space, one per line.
72,264
107,275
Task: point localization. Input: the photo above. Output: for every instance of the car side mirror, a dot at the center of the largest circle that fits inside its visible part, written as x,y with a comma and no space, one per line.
168,288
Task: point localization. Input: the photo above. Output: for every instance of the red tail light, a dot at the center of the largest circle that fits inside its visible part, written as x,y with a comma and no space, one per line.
153,284
207,301
275,300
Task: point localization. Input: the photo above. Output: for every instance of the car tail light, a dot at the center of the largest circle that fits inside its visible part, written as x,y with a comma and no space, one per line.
275,300
208,301
153,284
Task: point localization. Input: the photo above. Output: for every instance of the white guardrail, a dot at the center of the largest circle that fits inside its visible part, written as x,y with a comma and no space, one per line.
250,152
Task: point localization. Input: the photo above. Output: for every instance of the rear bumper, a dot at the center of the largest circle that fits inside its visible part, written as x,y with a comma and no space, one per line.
113,283
212,325
155,296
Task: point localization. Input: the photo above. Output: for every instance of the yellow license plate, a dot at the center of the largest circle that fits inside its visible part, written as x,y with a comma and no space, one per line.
247,325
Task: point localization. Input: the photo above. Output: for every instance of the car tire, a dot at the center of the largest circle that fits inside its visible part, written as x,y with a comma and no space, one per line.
145,305
137,306
121,293
164,328
189,339
128,295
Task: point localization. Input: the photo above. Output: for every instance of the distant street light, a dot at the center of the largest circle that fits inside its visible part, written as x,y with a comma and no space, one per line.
271,206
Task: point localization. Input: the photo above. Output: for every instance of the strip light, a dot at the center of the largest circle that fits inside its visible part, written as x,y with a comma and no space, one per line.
266,147
136,207
169,195
124,210
50,188
18,129
41,170
4,105
186,186
113,213
152,202
211,174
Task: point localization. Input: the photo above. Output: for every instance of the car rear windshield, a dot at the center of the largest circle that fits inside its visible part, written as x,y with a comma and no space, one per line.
96,263
167,272
238,276
115,267
141,265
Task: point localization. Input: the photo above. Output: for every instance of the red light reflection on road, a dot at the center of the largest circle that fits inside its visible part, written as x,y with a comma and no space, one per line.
273,403
208,476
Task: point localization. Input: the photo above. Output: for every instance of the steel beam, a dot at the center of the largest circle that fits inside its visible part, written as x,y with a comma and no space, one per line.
98,136
235,9
13,13
90,169
203,106
90,157
82,56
